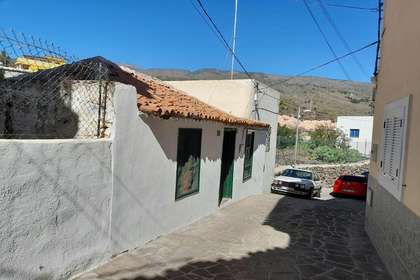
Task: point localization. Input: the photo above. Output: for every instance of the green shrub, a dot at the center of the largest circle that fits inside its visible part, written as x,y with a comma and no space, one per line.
326,136
285,137
335,155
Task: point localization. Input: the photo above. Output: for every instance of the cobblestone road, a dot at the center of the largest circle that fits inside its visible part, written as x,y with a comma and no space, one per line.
266,236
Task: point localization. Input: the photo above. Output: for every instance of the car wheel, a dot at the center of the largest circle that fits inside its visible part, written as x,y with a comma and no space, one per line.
310,195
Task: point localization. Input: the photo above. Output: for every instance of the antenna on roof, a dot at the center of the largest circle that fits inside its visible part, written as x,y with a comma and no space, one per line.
234,39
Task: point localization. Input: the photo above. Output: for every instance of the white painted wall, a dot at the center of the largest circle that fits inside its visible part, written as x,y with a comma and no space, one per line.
232,96
267,111
144,152
67,205
238,98
54,207
255,184
365,123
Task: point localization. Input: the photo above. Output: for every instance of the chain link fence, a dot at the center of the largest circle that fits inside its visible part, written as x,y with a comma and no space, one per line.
45,93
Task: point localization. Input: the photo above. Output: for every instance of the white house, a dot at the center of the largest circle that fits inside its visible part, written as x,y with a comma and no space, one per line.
165,159
358,129
244,98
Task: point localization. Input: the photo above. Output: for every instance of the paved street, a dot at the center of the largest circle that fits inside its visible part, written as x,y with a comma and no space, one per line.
267,236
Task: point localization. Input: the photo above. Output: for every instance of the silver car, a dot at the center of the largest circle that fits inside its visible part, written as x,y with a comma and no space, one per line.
297,181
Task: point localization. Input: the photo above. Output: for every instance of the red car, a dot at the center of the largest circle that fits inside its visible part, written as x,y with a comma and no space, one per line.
352,185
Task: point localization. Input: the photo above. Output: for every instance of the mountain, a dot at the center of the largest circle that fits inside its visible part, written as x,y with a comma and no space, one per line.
330,98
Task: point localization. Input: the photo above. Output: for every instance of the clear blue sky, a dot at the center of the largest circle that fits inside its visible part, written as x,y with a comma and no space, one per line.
274,36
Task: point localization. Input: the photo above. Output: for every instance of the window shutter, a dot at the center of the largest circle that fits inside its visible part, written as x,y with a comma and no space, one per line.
392,151
386,145
393,145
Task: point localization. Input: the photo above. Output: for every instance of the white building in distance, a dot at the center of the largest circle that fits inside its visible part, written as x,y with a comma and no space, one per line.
358,129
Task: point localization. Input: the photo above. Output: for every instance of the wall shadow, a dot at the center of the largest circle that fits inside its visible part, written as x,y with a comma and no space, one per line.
48,104
327,241
168,145
36,110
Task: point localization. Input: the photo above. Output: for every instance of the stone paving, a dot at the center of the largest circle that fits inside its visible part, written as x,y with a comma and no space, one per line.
266,236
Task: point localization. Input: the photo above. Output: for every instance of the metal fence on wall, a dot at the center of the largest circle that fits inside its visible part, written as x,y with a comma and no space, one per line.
364,147
45,93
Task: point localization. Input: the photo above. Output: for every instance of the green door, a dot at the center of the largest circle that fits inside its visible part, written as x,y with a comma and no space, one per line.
228,157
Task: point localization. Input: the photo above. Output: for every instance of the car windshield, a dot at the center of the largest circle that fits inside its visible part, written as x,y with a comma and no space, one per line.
297,174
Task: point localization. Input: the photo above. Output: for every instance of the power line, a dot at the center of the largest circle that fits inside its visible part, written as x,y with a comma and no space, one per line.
223,40
354,7
225,43
206,21
308,8
343,40
323,64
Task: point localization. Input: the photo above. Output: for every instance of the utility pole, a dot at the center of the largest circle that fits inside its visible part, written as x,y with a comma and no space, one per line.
234,39
297,135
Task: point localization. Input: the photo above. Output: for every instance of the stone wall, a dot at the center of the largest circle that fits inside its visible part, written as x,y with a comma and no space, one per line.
395,232
329,173
61,109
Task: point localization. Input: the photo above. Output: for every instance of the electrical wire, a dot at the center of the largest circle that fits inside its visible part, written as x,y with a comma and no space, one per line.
322,65
339,34
324,36
206,21
225,43
222,40
353,7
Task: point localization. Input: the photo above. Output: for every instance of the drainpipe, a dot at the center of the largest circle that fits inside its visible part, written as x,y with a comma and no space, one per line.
378,56
378,46
257,90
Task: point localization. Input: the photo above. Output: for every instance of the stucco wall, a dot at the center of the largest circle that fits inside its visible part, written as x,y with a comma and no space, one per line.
267,111
365,124
394,225
54,207
67,205
144,151
232,96
394,230
399,77
238,98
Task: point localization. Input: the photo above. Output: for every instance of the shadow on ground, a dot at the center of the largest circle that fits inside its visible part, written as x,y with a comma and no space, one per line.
327,241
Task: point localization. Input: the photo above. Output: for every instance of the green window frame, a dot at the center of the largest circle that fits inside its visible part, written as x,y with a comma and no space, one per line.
249,154
188,162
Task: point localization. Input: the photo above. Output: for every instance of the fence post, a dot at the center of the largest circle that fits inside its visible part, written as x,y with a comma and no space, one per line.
98,134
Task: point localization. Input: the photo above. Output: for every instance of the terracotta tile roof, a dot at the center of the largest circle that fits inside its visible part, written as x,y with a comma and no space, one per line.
164,101
154,96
